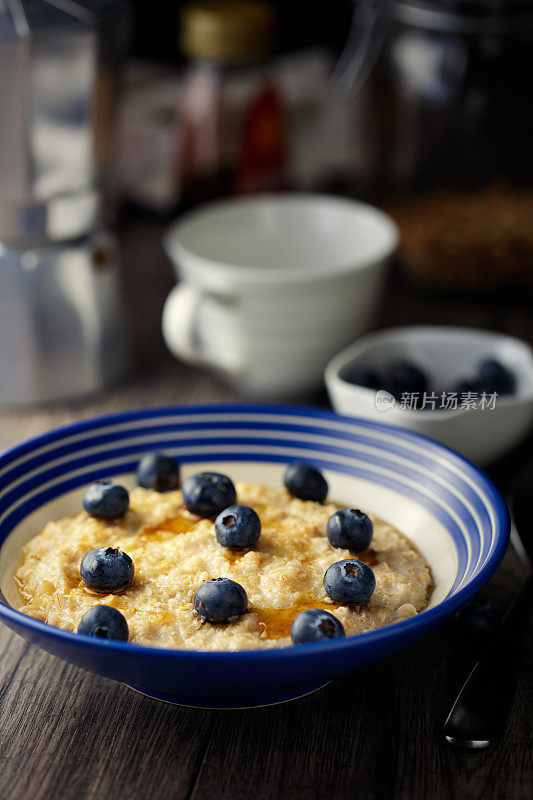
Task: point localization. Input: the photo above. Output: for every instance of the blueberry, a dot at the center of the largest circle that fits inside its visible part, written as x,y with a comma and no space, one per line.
238,527
304,481
107,569
479,617
351,529
495,378
349,582
105,622
466,385
208,493
315,625
406,377
106,500
365,376
158,471
220,600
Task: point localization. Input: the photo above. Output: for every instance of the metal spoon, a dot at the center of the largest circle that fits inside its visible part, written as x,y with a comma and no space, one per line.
481,708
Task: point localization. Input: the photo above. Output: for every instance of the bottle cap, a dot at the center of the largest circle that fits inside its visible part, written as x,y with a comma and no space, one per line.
227,31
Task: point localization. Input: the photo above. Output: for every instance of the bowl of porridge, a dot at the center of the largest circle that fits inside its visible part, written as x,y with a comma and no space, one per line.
234,556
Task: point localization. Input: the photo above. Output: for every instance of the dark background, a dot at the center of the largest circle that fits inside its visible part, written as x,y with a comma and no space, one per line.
155,27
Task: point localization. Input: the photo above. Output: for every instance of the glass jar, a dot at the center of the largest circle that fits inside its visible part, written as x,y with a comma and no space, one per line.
232,120
442,95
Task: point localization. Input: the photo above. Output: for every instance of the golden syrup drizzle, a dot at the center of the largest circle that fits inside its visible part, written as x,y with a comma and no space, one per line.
174,525
277,621
274,623
369,557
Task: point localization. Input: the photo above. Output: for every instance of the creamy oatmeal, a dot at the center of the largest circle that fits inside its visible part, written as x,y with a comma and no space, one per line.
174,552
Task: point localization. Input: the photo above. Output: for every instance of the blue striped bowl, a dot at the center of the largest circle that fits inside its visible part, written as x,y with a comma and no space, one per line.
445,505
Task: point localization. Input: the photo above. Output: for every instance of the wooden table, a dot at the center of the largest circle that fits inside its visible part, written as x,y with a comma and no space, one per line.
65,733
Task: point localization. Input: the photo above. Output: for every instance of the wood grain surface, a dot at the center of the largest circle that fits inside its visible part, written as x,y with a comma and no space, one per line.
65,733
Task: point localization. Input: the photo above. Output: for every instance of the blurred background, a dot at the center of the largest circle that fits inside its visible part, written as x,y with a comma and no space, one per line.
119,118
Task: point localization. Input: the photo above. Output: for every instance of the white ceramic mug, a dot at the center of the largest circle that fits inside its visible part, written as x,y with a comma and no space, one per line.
273,285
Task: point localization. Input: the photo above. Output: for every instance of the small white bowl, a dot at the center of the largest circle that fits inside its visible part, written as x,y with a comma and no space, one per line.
447,354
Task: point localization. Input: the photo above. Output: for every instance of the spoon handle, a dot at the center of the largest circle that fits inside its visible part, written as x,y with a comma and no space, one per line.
481,707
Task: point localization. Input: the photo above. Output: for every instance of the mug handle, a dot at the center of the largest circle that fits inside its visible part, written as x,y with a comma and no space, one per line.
179,326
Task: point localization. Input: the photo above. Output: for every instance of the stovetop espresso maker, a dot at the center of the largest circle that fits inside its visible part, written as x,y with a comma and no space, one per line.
61,331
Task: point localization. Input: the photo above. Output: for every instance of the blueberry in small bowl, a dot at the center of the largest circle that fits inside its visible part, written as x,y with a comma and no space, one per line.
466,386
407,377
495,378
365,376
